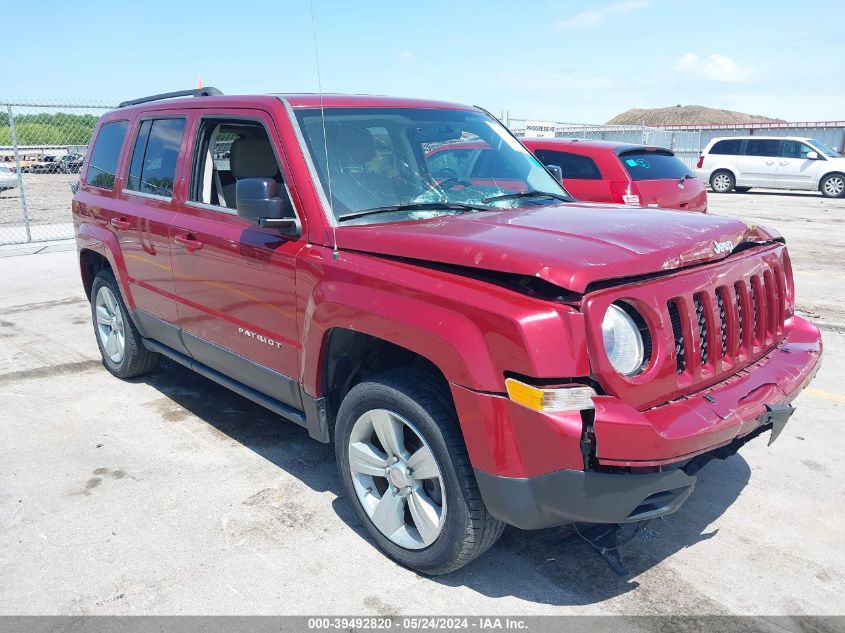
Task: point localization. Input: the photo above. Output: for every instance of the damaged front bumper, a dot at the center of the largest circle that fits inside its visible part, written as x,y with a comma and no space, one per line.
588,496
646,460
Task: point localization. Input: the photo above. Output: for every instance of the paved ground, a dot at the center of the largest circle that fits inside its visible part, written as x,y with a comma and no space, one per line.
170,495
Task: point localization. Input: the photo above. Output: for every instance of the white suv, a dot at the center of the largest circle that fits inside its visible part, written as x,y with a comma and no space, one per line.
777,162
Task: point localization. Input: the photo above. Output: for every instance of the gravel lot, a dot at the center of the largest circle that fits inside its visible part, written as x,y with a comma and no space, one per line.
47,196
171,495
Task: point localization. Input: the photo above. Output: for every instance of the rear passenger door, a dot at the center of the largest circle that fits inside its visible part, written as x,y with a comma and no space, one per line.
235,281
141,220
758,164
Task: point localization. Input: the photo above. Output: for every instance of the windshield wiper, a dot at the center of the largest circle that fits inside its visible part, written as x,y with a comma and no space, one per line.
415,206
529,194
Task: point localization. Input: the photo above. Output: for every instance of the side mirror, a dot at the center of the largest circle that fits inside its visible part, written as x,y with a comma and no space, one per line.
257,201
813,155
555,171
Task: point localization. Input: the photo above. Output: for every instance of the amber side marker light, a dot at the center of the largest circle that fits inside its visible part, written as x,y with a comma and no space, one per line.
575,398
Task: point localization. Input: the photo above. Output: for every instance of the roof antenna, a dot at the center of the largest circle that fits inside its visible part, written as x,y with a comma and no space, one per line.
335,253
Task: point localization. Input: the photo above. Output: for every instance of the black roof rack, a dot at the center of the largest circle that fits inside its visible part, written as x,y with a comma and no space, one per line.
199,92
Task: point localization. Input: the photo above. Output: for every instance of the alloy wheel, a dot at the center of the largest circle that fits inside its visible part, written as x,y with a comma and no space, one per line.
834,186
721,182
397,479
110,326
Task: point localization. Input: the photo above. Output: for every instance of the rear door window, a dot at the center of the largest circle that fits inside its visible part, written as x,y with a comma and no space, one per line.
153,166
106,152
651,165
730,146
762,147
573,166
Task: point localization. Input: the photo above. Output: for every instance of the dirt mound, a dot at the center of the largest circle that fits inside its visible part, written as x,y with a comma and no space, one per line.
679,115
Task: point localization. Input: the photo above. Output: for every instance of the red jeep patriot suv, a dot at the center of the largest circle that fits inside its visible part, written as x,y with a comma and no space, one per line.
481,351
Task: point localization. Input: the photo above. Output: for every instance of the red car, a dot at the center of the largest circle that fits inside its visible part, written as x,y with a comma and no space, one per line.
598,171
480,351
604,171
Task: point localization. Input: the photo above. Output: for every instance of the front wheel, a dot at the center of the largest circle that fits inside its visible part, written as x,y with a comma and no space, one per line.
722,181
405,469
833,186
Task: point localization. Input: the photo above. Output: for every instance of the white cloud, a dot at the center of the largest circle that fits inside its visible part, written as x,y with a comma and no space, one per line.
404,55
594,17
715,67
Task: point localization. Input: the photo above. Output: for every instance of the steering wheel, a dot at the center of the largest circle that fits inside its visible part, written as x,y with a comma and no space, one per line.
451,179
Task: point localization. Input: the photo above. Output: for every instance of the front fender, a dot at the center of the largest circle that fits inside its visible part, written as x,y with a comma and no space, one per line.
444,338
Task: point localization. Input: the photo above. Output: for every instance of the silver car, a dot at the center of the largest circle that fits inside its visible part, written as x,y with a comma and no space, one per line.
8,179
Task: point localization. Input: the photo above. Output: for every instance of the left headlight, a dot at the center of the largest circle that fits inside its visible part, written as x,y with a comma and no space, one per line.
622,341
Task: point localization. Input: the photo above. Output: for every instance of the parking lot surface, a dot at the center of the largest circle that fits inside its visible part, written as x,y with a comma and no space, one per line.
171,495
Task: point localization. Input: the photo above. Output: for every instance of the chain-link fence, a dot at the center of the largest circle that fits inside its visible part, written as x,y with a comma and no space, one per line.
42,146
686,145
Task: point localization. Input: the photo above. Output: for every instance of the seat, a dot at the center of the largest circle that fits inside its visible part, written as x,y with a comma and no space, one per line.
250,157
353,186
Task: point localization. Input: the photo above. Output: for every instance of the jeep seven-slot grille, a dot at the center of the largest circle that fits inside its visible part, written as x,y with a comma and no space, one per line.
729,321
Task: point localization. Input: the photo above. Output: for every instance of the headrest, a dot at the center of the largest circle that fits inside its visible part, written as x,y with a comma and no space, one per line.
351,144
252,158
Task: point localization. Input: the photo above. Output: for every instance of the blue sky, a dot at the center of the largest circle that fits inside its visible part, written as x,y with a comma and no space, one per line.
565,60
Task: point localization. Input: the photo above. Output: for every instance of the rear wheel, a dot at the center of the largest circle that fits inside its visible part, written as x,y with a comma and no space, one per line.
121,347
833,186
742,189
405,469
722,181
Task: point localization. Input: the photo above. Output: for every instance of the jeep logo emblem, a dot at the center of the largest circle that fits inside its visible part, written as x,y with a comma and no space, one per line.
723,247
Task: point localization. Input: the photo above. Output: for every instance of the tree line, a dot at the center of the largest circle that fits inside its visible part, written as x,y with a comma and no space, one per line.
60,128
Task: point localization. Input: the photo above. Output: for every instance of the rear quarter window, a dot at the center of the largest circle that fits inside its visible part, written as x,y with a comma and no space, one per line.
573,166
730,146
653,166
103,164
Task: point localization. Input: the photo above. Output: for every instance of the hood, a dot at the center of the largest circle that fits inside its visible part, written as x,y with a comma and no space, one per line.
570,245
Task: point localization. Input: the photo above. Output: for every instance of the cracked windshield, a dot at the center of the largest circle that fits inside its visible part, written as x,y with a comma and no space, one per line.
391,164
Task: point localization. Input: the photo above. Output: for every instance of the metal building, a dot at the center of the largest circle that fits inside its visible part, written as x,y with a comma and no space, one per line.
831,133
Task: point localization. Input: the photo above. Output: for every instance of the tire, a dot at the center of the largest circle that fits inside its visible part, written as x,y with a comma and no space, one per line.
125,355
833,186
742,189
722,181
419,405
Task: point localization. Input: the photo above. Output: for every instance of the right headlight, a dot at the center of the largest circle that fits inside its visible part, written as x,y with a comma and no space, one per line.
622,341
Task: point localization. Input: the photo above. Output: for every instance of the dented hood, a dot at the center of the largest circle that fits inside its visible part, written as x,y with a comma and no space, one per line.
570,245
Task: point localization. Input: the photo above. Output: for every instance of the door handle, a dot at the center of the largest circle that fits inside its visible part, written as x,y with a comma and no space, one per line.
121,224
189,242
784,162
770,162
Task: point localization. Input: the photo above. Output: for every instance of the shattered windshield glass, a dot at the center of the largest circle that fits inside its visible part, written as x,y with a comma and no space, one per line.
388,164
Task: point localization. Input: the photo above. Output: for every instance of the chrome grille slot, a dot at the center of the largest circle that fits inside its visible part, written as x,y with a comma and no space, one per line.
723,320
740,317
755,311
702,329
678,333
